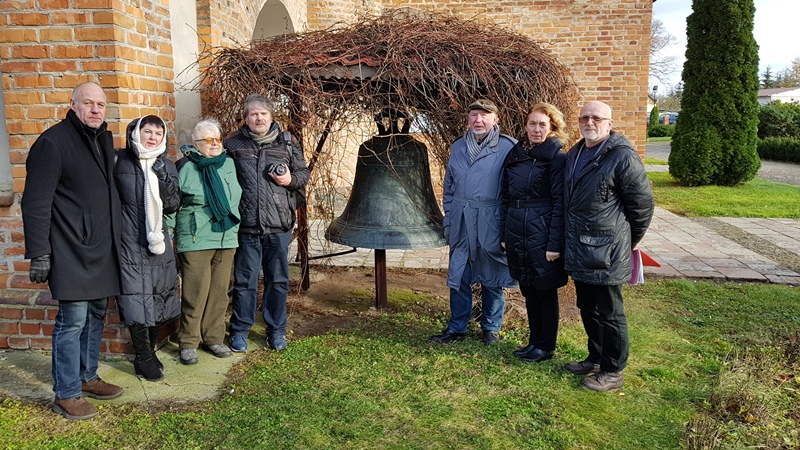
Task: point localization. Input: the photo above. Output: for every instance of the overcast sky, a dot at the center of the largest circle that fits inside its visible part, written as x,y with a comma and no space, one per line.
775,29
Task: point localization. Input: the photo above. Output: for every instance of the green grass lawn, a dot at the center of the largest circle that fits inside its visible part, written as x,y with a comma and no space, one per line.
710,363
756,198
712,366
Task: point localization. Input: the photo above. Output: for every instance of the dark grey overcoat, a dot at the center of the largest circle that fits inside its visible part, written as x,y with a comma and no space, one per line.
71,210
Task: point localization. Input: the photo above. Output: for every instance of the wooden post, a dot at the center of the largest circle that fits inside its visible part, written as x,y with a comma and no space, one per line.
296,128
380,279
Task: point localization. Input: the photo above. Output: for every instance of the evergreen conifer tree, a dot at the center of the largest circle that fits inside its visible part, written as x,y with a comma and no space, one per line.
654,113
720,97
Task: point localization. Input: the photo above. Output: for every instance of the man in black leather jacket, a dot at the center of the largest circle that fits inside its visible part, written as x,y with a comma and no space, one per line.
272,173
608,207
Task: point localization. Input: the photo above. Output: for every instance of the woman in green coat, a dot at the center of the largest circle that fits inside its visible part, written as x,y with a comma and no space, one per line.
206,230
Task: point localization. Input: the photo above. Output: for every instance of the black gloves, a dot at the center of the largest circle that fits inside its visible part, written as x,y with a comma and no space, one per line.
40,269
160,169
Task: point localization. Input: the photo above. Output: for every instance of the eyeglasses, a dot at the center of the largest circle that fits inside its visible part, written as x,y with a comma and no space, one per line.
595,119
210,141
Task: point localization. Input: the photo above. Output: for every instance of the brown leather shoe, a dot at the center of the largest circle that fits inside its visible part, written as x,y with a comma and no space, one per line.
100,390
74,408
582,368
604,381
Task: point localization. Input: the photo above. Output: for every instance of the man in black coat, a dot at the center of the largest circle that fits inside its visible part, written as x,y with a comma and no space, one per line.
273,175
608,207
71,214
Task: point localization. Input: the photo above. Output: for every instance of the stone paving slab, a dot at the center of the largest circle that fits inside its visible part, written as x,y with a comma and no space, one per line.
684,248
784,233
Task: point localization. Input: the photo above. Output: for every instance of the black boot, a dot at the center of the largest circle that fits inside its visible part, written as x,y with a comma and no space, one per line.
153,333
145,363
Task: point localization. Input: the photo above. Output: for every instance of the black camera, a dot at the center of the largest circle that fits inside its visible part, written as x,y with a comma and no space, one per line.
276,168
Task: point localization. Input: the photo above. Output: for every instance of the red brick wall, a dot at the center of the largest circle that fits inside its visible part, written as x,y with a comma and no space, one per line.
27,318
47,47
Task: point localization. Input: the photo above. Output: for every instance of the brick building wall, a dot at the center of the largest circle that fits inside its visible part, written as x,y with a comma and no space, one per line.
49,46
605,43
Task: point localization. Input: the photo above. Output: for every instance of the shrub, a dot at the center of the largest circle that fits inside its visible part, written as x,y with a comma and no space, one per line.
778,119
780,149
659,130
653,118
720,96
694,157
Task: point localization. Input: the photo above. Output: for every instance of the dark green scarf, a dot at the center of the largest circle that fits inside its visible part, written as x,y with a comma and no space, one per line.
222,219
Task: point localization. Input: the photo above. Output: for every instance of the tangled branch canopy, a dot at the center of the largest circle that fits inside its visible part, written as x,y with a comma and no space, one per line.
430,67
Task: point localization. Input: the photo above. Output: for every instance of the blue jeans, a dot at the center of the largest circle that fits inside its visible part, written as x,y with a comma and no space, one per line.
269,252
494,305
77,335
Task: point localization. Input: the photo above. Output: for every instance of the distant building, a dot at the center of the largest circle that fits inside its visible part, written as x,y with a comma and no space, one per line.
651,103
784,95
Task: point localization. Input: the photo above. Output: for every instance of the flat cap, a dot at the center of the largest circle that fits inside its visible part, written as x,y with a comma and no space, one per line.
486,105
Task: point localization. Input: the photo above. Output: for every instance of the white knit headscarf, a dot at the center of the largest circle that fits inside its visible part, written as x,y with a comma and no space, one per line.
153,206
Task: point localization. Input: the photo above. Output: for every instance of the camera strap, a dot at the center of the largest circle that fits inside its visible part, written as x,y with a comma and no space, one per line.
287,137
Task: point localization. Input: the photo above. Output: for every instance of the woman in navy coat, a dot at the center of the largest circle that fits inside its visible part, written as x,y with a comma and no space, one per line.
532,228
148,189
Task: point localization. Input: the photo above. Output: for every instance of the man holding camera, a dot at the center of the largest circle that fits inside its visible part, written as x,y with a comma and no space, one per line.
273,174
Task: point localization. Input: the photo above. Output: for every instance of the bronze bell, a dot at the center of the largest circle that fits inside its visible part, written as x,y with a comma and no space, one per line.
391,204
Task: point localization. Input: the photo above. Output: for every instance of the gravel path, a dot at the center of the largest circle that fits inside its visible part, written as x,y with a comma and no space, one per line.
778,172
780,255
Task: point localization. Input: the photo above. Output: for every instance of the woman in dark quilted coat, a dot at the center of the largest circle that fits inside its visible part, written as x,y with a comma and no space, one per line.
532,224
148,189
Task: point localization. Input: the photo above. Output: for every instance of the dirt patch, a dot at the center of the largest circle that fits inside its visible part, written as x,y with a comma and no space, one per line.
338,296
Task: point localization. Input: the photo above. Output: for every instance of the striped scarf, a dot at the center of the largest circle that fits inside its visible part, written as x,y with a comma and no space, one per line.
474,148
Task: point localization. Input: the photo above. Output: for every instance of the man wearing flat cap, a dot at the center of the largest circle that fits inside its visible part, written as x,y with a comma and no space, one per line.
472,224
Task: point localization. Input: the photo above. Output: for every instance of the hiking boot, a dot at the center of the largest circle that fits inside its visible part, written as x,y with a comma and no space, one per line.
447,336
277,343
74,408
584,367
238,344
189,356
603,381
220,350
100,390
491,337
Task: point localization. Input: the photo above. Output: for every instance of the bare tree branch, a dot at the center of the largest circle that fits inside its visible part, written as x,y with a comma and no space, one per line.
661,67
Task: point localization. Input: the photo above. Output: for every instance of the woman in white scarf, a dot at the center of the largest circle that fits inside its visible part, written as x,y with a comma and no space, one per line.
147,183
149,141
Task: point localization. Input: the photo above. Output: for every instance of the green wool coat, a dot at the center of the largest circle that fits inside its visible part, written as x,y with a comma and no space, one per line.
193,220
